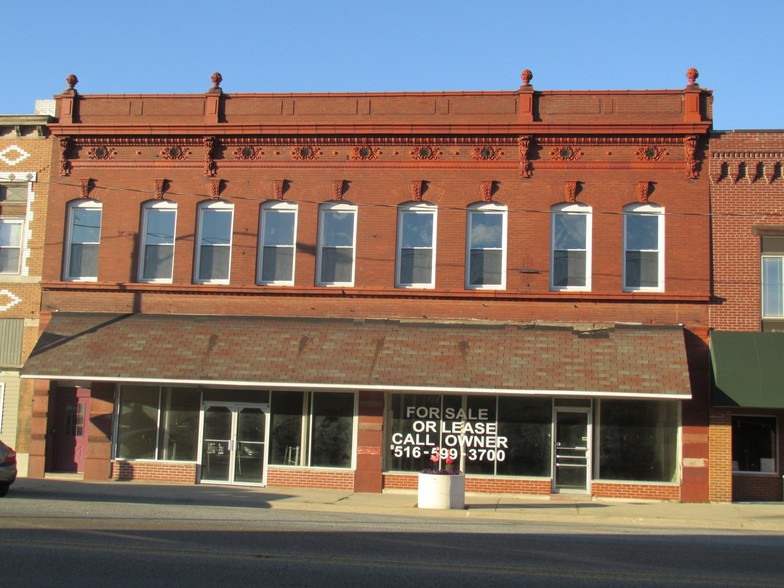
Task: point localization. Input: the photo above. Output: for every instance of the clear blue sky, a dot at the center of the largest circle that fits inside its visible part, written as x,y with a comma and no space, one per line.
173,46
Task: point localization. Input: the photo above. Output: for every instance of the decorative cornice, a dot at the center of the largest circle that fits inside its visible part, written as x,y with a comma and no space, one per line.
175,153
566,153
365,153
425,153
305,152
487,153
524,145
247,153
102,152
210,169
651,153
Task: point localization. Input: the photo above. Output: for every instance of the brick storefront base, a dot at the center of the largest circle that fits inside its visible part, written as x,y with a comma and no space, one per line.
636,490
305,478
154,472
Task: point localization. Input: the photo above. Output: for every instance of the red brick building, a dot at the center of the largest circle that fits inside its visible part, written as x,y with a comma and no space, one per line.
747,341
25,155
331,289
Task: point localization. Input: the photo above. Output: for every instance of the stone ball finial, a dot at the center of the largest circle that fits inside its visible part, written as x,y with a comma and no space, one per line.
692,76
526,76
216,80
71,80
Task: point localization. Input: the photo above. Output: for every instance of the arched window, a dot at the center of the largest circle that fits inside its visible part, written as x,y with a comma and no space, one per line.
277,243
159,221
643,248
213,251
416,246
570,265
486,246
336,244
83,237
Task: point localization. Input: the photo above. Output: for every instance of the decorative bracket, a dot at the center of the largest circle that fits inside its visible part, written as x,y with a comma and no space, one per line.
487,191
210,168
643,191
524,144
65,151
690,148
415,189
570,191
279,185
160,187
217,188
86,185
337,189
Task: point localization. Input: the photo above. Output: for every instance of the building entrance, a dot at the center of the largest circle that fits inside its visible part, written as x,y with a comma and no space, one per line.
572,450
234,445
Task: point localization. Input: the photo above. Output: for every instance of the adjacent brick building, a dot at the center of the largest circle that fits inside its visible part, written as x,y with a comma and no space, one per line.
331,289
747,316
25,156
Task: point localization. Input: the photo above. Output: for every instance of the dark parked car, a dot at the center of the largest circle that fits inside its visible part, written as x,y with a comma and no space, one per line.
7,468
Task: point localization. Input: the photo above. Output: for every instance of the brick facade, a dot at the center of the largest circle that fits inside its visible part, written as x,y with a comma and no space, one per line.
746,187
25,159
526,150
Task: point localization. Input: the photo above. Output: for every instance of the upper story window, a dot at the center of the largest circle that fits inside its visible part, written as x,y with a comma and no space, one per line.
277,243
486,246
416,246
159,220
772,282
643,248
82,240
571,247
213,252
13,211
336,249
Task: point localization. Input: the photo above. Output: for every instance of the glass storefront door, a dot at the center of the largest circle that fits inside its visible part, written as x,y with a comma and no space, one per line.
234,443
572,448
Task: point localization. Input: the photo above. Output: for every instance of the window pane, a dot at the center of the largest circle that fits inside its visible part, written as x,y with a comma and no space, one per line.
638,440
481,459
214,263
569,231
9,261
160,227
336,265
526,424
569,268
754,444
179,431
83,261
277,264
10,233
416,266
158,262
485,267
86,225
642,269
417,230
278,227
642,232
487,230
16,193
137,422
772,287
285,428
216,227
332,433
338,229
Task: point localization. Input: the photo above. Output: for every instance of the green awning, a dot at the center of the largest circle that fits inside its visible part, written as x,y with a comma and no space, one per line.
748,369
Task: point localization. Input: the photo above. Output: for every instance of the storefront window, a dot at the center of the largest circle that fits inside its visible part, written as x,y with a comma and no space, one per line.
158,423
332,430
638,440
498,435
286,428
312,429
754,444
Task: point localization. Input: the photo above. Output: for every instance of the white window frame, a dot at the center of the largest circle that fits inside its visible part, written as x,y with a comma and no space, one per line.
324,210
477,210
147,209
86,204
405,210
648,210
273,208
217,205
572,209
9,221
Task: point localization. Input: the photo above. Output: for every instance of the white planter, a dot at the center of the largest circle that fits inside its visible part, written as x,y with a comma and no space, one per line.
441,491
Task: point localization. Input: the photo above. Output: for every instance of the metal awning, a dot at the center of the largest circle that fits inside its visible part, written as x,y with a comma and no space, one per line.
748,369
373,354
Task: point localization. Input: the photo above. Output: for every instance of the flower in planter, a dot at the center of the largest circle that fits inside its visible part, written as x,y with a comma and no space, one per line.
435,457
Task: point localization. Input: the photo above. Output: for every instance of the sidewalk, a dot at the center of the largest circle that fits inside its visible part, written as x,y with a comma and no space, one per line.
763,516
